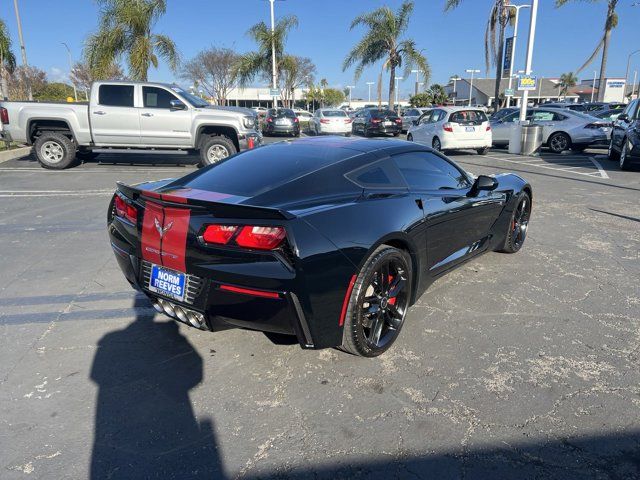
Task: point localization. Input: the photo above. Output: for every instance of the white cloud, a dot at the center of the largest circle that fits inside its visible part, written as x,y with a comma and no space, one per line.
58,75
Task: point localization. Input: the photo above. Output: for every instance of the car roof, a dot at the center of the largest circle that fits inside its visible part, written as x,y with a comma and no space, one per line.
458,109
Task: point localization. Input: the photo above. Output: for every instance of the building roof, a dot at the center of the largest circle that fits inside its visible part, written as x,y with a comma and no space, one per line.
548,87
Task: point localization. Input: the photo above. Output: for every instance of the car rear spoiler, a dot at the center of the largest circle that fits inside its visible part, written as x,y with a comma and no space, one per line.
210,201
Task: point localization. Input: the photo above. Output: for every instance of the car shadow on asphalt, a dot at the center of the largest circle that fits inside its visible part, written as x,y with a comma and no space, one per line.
145,425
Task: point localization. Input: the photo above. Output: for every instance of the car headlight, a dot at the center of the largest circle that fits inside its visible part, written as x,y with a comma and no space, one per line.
249,122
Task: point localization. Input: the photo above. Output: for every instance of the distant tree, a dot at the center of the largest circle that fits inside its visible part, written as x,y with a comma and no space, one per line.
423,99
125,29
567,81
438,94
213,70
295,72
7,59
53,92
22,77
82,77
382,42
332,97
610,22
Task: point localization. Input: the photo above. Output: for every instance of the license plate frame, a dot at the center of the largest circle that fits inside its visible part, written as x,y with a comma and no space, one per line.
470,129
387,123
167,282
282,122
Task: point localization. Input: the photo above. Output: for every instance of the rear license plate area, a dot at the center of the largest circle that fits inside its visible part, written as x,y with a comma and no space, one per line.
169,283
469,129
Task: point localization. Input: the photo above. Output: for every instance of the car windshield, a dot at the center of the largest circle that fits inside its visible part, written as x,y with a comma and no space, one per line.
282,113
333,113
468,116
194,101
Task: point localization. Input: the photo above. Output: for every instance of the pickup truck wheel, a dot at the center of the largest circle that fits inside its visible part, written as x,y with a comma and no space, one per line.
55,151
215,149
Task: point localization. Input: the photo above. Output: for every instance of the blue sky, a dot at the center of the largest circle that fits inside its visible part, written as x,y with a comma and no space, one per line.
452,41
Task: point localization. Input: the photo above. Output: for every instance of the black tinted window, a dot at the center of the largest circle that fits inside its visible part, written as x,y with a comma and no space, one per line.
382,113
381,174
157,97
468,116
282,113
116,95
427,171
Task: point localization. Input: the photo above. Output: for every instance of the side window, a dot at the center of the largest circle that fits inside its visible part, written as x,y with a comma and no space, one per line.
116,95
512,117
427,171
542,116
154,97
426,118
380,174
558,117
629,110
635,111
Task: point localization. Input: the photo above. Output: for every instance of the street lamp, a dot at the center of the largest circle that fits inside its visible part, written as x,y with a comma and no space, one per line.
274,72
626,75
513,45
417,72
370,83
472,72
350,87
75,91
397,80
454,79
22,49
593,88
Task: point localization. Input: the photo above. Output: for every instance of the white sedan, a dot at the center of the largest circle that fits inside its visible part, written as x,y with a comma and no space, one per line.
330,120
452,128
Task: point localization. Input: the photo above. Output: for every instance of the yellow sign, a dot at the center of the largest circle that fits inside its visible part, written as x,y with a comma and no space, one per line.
70,99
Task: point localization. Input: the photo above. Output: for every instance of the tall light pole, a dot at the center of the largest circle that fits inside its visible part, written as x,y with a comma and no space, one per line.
417,72
350,87
513,46
527,68
75,91
370,83
274,73
593,89
472,72
397,80
626,75
633,85
454,79
22,49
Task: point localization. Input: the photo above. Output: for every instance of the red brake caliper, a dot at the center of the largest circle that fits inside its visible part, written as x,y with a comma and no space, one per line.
392,300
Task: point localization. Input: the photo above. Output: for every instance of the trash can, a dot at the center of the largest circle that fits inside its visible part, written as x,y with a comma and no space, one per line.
531,139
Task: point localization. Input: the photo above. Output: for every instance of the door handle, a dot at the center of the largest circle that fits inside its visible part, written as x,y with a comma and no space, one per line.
99,112
147,114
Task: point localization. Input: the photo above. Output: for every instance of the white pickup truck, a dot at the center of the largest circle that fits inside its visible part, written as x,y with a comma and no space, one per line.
129,115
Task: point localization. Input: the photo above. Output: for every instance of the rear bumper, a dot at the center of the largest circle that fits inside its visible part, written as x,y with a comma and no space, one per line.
271,129
397,128
453,143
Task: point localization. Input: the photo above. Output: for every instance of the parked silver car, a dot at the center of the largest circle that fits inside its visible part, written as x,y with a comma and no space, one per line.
410,115
561,129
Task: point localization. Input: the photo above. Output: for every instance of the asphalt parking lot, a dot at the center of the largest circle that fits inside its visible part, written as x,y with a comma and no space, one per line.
514,366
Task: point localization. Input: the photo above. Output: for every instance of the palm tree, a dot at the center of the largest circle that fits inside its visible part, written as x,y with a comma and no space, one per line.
610,22
383,42
438,94
499,16
7,59
567,81
126,29
259,63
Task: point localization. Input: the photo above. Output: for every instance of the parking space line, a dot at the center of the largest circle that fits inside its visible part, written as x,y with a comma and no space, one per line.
551,166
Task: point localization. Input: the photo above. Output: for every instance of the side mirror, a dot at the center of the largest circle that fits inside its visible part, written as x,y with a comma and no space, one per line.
624,117
483,182
177,105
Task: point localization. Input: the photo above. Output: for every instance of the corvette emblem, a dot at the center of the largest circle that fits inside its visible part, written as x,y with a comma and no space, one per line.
162,231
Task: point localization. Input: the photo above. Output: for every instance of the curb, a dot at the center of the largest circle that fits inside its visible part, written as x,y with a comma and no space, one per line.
15,153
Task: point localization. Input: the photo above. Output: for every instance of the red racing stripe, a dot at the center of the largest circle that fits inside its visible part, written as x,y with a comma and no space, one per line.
174,241
150,238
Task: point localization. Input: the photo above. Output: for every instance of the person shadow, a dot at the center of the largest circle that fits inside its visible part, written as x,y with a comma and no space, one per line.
145,426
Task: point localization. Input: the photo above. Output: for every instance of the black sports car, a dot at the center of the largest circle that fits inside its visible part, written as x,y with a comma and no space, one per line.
329,239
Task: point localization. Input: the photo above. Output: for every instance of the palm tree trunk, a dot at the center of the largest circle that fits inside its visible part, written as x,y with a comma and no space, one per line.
605,53
392,87
496,91
380,88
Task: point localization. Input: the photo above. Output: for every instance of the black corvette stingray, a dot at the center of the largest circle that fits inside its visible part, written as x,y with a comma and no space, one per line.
328,239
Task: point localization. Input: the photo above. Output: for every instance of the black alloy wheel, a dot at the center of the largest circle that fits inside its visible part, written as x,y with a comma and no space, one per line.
519,225
379,302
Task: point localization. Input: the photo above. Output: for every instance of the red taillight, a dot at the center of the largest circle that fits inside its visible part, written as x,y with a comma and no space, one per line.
250,291
269,119
488,128
260,238
4,116
124,210
220,234
295,120
398,120
347,120
376,120
324,120
447,127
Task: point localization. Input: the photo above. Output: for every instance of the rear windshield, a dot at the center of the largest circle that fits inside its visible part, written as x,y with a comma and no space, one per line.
382,113
334,113
468,117
283,112
257,171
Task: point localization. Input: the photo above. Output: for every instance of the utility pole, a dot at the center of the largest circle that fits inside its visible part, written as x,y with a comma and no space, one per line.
454,79
513,46
397,106
626,75
593,89
274,73
22,49
370,83
527,68
417,72
472,72
75,91
350,87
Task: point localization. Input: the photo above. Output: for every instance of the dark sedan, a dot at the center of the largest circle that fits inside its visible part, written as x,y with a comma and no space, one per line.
282,121
374,121
624,146
329,239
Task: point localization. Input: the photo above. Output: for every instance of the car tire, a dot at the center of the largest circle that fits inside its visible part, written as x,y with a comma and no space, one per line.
55,151
559,142
518,225
215,148
409,138
482,151
369,334
347,134
367,132
612,154
625,164
436,145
